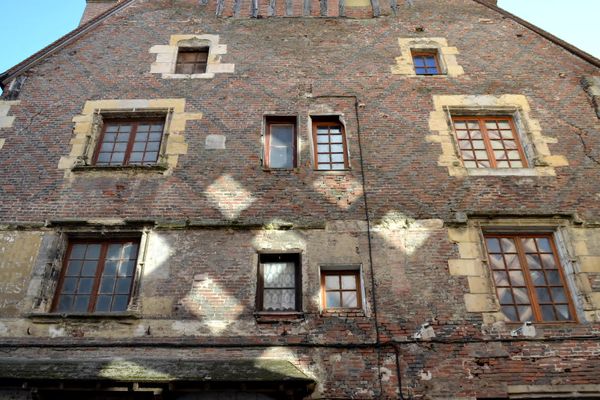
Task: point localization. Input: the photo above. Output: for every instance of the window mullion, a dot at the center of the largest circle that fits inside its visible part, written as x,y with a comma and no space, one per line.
527,276
98,277
488,144
134,127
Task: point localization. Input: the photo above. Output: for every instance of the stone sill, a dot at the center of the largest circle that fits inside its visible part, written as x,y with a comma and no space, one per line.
206,75
343,313
121,168
266,317
502,172
95,317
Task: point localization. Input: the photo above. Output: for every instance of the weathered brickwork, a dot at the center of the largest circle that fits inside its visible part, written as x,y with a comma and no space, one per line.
406,216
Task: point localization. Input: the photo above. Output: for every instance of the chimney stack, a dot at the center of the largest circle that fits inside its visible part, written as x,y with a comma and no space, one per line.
94,8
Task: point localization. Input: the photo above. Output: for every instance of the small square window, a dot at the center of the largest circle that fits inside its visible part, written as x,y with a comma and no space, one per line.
426,63
280,143
341,290
489,142
279,283
330,148
129,142
97,276
192,60
529,279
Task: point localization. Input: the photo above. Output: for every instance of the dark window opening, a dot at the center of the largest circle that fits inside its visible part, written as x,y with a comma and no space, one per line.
279,282
192,60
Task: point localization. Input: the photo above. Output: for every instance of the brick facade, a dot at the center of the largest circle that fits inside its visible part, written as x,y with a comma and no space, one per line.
406,214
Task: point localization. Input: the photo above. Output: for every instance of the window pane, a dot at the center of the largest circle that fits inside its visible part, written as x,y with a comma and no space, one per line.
281,146
81,303
279,275
349,300
89,268
537,277
493,245
85,286
505,296
563,313
279,299
558,295
543,245
281,157
338,166
107,285
103,303
533,261
69,285
517,278
501,278
548,313
553,278
333,299
510,312
65,303
120,303
332,282
123,286
521,296
525,313
348,282
74,268
543,295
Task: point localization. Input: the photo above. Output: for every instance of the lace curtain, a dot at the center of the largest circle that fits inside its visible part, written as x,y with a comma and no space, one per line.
279,286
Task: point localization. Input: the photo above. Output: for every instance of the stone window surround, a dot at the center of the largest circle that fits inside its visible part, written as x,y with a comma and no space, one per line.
575,257
166,56
534,144
446,57
47,270
6,121
88,126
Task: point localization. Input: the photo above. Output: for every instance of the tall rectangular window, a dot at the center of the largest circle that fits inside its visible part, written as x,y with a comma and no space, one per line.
129,142
529,279
279,282
426,62
489,142
97,276
280,143
330,148
192,60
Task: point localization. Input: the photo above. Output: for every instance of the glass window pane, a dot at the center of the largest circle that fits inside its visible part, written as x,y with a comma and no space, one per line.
93,252
563,313
497,261
537,277
430,61
323,148
521,296
338,166
510,312
553,277
419,61
420,71
69,285
120,303
324,158
336,138
337,148
533,261
558,295
85,286
503,164
543,295
81,303
279,299
332,282
548,261
74,268
525,313
103,303
279,275
505,296
333,299
508,245
107,285
125,269
516,164
281,157
493,245
339,158
64,303
123,286
529,245
543,245
349,300
501,278
282,135
512,261
548,313
517,278
348,282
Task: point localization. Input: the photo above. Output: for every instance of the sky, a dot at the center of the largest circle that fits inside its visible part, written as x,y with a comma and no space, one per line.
30,25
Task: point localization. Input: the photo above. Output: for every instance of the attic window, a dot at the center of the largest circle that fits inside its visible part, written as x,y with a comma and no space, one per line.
192,60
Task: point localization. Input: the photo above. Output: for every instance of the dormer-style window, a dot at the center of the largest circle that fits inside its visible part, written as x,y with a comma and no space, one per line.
191,60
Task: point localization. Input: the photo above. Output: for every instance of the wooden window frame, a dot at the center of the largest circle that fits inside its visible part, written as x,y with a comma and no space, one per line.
104,243
134,122
481,120
279,257
329,121
203,66
529,285
270,121
356,273
425,53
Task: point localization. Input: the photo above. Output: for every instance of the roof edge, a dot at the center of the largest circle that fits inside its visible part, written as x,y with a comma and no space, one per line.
58,44
547,35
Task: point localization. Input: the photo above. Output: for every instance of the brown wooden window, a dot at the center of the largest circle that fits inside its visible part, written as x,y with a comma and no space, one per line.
279,283
341,289
97,276
426,63
191,60
280,143
330,144
529,280
129,142
489,142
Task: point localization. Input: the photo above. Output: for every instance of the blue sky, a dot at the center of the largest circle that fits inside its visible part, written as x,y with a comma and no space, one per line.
29,25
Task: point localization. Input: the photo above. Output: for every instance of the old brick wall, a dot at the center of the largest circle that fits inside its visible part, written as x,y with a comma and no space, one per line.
217,208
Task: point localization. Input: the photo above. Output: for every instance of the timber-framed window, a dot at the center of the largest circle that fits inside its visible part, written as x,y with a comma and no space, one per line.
191,60
97,276
129,142
341,289
529,279
280,143
330,146
426,62
279,283
489,142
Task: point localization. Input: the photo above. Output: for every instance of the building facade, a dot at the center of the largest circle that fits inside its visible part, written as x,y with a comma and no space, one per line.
335,199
